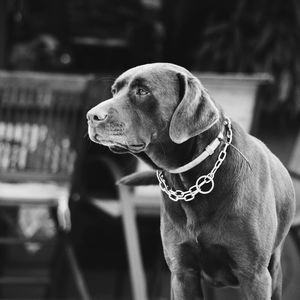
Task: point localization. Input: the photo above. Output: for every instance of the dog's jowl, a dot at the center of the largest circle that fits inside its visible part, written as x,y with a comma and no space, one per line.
228,202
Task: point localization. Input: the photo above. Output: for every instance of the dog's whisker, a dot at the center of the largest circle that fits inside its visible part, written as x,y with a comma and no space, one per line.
245,158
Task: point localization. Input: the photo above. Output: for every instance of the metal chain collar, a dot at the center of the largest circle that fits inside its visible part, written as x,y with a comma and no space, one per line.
202,180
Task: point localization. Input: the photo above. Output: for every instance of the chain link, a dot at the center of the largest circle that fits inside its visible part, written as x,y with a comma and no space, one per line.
203,180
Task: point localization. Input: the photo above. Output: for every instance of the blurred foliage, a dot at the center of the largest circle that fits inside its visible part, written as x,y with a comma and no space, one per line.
256,36
83,36
244,36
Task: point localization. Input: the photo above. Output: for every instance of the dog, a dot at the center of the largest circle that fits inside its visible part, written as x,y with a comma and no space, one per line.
228,202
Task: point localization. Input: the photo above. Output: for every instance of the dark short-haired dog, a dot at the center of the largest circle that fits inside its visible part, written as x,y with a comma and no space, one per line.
239,205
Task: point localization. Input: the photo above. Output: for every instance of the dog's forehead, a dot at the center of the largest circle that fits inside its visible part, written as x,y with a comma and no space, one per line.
156,73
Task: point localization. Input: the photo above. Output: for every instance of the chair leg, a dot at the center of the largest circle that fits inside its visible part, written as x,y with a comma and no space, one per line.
59,269
137,274
75,270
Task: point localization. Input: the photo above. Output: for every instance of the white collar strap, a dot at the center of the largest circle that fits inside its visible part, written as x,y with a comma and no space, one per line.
209,150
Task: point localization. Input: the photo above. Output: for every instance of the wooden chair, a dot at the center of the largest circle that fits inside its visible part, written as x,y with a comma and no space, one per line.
130,202
40,120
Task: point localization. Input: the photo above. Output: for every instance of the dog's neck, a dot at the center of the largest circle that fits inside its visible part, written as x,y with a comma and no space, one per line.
170,156
224,180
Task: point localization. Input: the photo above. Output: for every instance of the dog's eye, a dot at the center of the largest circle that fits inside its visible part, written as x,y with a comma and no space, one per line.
113,91
141,92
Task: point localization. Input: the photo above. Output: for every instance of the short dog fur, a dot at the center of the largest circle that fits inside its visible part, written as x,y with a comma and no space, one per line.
232,236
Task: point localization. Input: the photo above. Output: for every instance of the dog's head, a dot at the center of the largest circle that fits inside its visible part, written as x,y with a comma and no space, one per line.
150,104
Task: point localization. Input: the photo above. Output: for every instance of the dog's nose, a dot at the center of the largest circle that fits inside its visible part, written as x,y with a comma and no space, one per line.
96,117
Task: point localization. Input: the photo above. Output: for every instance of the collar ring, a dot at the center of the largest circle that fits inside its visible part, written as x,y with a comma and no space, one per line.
203,181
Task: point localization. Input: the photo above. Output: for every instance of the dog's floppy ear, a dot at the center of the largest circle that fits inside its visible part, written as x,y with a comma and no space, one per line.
195,113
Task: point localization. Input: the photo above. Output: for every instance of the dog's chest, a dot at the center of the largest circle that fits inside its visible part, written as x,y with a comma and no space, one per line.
200,244
216,265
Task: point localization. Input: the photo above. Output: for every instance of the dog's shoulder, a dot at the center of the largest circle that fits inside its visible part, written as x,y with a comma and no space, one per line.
265,168
257,153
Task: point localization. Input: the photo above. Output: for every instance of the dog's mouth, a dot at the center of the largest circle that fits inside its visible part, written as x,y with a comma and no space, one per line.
117,147
120,148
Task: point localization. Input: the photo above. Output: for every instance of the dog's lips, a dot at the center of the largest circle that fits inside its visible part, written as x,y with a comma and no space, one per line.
117,147
137,147
120,148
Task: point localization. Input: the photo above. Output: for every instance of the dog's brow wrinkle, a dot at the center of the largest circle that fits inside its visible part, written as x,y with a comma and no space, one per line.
139,81
118,85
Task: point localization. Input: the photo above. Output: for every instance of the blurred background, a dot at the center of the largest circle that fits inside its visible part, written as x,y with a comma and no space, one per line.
58,58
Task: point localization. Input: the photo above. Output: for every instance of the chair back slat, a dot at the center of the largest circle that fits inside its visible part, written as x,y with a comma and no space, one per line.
40,117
